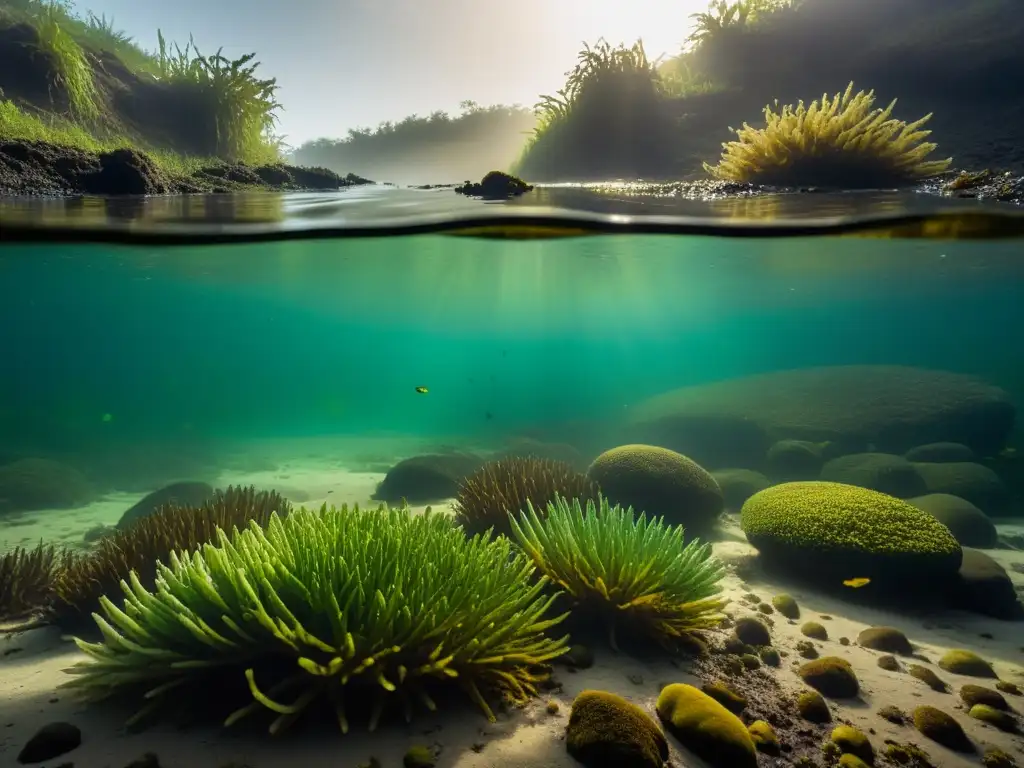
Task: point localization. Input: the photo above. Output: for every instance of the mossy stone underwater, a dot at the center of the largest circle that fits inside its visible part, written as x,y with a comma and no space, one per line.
370,606
832,532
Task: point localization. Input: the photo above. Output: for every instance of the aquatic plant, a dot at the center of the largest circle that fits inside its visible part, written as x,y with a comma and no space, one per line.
627,572
25,576
331,605
843,141
85,577
505,486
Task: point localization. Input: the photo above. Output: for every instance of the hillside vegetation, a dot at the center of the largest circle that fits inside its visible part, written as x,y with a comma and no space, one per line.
208,123
622,115
426,150
80,102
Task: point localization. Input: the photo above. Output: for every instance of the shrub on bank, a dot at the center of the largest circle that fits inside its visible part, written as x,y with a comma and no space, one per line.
609,120
843,141
86,79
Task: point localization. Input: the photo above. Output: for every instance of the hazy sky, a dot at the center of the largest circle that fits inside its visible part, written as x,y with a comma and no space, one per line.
350,63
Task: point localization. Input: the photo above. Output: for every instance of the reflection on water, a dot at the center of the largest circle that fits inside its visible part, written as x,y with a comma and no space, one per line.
673,207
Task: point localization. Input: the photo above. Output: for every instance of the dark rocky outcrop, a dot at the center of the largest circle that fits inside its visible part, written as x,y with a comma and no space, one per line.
184,494
38,168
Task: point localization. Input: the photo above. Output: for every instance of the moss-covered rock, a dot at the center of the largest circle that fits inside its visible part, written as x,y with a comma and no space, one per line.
751,631
889,663
751,661
806,649
426,478
908,754
786,605
849,760
893,714
853,742
968,524
789,460
928,677
960,661
997,718
887,639
31,484
978,694
814,630
183,494
726,696
770,657
974,482
738,485
983,586
496,185
578,656
939,453
1007,687
706,728
659,482
997,758
882,472
812,707
605,730
941,728
835,532
831,676
765,738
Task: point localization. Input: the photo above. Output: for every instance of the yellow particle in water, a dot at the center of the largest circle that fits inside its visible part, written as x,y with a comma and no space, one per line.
858,582
422,390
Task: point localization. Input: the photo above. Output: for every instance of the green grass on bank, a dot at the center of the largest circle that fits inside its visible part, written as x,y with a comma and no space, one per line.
231,111
19,125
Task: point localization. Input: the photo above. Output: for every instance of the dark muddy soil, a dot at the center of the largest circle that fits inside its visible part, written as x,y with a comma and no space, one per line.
36,168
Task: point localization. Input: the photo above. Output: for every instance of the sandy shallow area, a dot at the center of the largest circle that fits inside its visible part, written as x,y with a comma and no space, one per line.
32,664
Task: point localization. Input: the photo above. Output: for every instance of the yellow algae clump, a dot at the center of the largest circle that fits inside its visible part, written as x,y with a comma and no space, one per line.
963,662
842,141
706,728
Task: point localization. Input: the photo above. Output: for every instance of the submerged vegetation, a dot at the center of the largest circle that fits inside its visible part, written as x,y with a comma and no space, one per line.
633,574
305,611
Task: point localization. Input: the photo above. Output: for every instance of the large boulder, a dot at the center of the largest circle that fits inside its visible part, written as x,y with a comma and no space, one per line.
831,532
31,484
881,408
660,483
427,478
184,494
882,472
970,526
975,482
984,587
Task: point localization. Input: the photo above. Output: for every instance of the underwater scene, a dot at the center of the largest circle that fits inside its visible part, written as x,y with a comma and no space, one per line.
547,384
524,502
